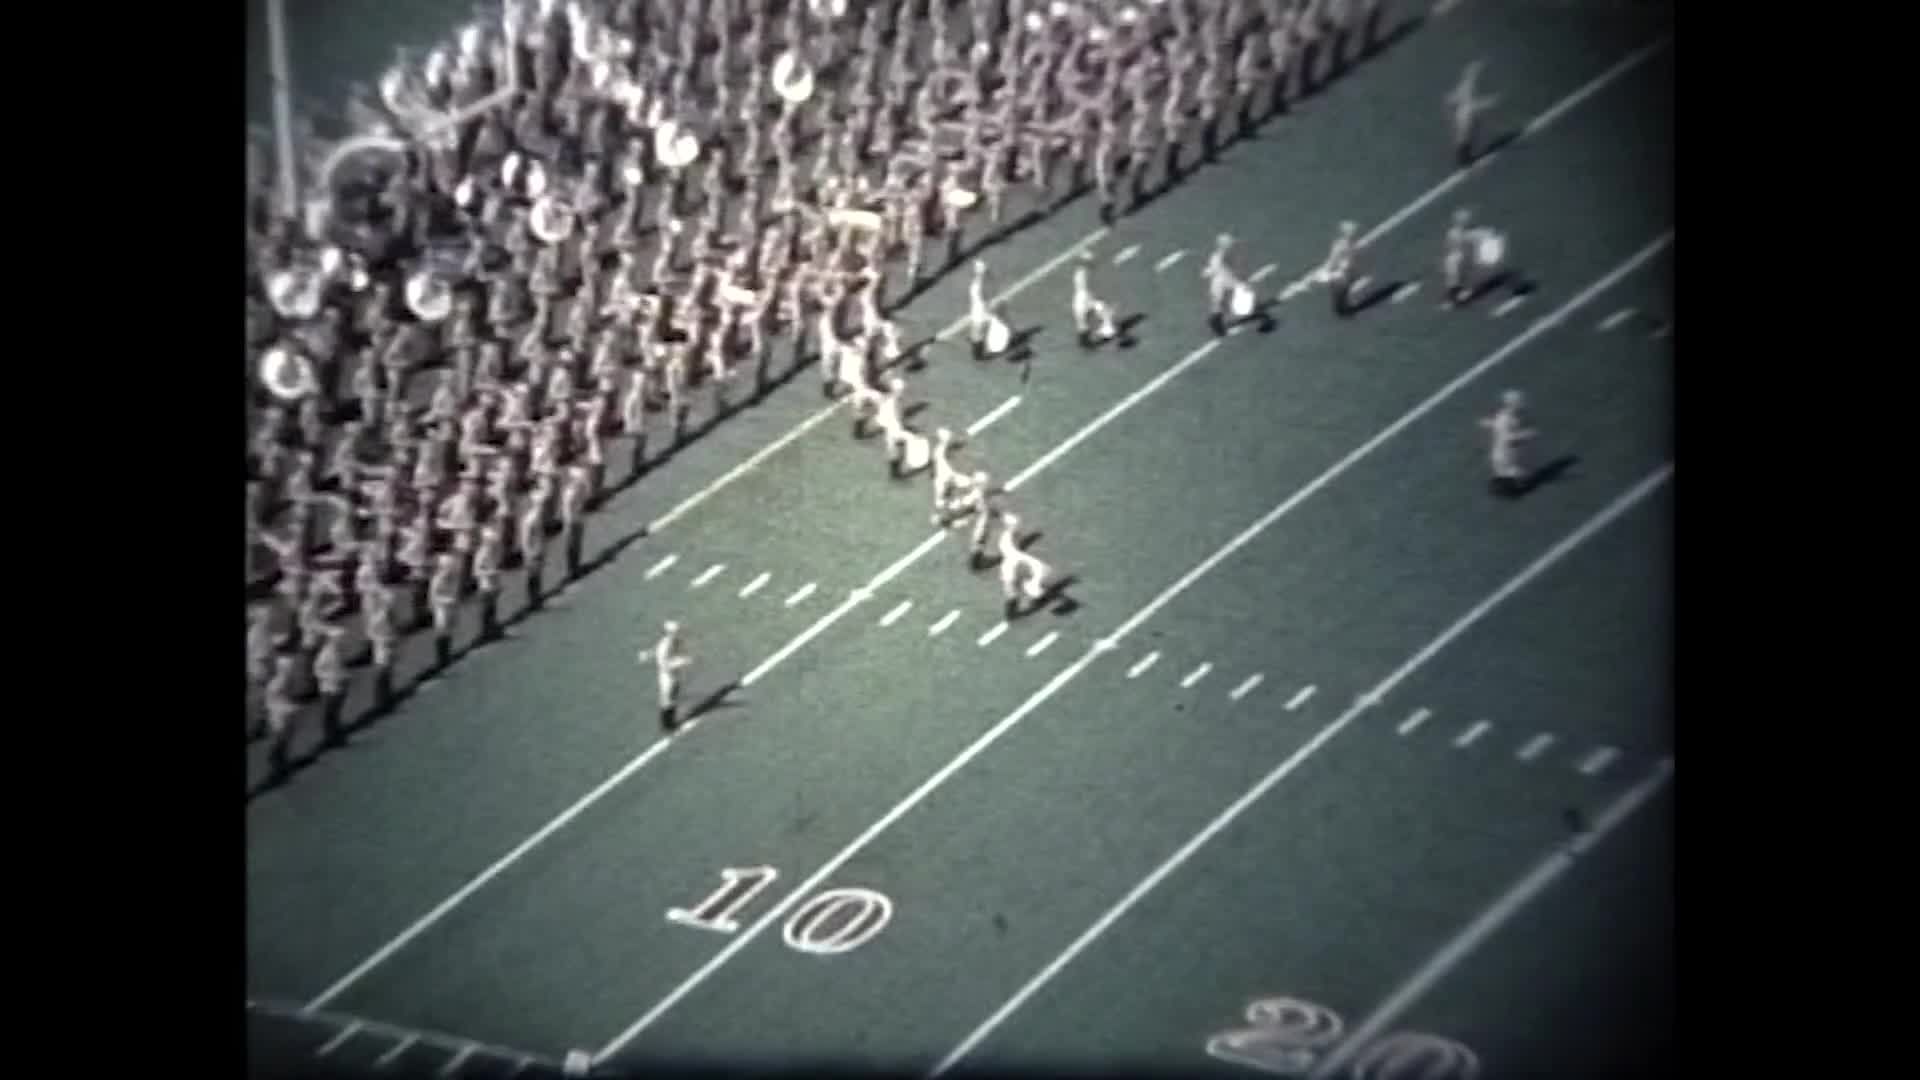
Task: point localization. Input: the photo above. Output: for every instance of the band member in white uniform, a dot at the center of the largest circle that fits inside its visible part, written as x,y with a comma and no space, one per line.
1021,574
1092,317
330,679
669,659
948,482
1466,105
1337,272
443,594
1220,280
1456,264
1506,431
893,426
975,497
978,314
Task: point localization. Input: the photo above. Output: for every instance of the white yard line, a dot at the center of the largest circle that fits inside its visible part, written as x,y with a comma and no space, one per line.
1406,292
1040,646
1490,920
660,567
1112,412
1299,699
898,610
460,1047
709,574
453,1063
1410,723
1263,273
999,411
756,584
1471,735
800,594
478,881
1246,687
1144,663
992,635
1511,303
1239,806
1597,761
1614,320
339,1037
397,1049
1126,253
1169,260
1535,747
1196,675
945,621
1539,326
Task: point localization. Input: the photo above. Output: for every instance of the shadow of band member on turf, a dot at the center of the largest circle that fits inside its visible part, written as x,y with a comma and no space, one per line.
1516,487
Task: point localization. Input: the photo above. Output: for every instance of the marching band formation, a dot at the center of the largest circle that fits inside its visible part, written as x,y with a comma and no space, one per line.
563,227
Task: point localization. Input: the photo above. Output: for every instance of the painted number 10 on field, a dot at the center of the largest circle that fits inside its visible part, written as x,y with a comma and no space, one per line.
835,921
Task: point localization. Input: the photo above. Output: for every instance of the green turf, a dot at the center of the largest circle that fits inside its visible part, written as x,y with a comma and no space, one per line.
1055,822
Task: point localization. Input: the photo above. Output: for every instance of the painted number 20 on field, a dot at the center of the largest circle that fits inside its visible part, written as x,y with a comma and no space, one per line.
835,921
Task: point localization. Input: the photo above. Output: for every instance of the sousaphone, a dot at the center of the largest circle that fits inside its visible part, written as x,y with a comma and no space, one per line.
793,77
286,374
295,292
552,219
674,147
428,295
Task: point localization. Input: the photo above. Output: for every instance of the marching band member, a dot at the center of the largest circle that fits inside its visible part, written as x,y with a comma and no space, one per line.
1467,105
1092,317
1456,265
282,709
669,659
330,679
377,625
1021,574
443,594
576,487
893,426
947,480
1220,280
979,315
1337,272
532,536
1506,431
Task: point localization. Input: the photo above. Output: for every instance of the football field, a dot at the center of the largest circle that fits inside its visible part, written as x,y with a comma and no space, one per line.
1333,764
